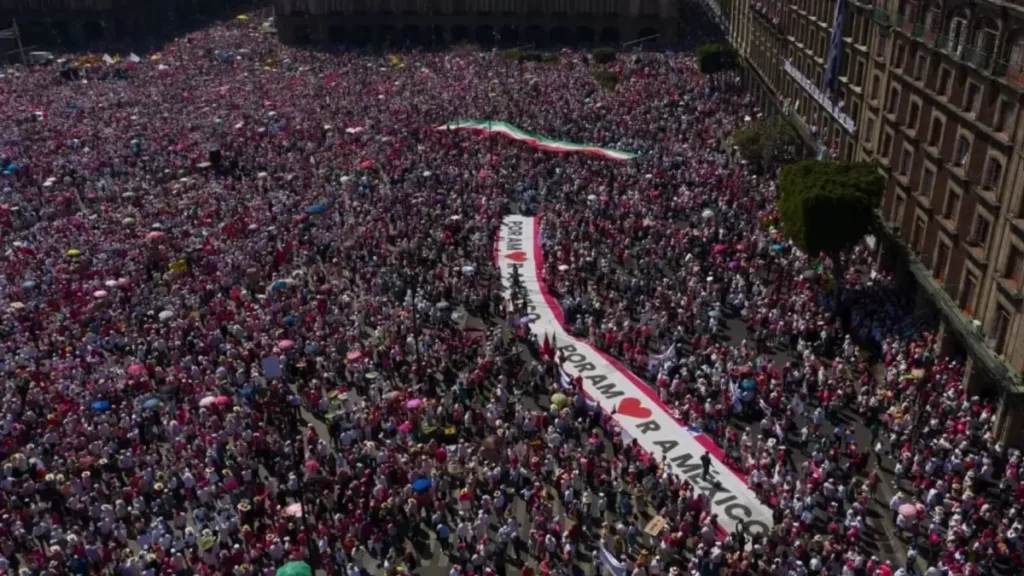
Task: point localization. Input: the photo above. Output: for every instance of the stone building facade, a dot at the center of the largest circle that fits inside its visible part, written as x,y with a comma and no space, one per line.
932,93
77,23
400,23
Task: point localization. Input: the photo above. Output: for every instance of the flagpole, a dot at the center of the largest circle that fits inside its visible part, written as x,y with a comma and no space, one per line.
17,35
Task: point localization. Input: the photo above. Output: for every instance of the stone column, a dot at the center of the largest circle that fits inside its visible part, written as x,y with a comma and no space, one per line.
974,379
1010,421
946,340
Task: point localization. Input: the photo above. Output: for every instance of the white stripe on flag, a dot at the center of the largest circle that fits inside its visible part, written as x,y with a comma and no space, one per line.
608,561
564,380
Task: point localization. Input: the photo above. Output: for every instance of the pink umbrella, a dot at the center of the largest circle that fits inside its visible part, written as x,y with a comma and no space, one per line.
136,369
908,510
294,510
719,248
208,401
285,344
155,235
414,403
405,428
353,356
222,400
100,294
312,466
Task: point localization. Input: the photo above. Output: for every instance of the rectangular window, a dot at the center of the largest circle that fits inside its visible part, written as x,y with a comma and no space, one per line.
972,96
1003,116
1000,330
897,212
957,35
951,205
942,88
886,146
898,55
935,135
927,182
1014,265
906,161
917,236
880,46
894,98
913,116
961,152
979,235
920,66
941,261
869,130
993,173
968,293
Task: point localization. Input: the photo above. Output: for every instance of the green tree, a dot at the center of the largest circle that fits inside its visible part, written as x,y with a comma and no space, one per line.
715,58
829,206
767,142
603,55
608,79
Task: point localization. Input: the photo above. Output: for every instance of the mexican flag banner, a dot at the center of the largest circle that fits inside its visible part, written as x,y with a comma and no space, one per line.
534,140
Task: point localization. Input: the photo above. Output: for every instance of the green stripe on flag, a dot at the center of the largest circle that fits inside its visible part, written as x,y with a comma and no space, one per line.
536,140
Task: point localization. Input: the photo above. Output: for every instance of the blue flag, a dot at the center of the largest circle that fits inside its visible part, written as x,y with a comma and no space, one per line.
835,52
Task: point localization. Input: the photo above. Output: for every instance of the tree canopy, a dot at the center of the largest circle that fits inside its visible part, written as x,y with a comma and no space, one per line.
767,142
715,58
828,206
603,55
608,79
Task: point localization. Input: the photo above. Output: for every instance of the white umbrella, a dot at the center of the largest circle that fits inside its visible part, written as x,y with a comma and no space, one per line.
707,214
165,315
208,401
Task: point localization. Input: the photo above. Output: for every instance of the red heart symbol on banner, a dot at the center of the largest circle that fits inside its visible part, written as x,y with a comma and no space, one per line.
519,257
633,408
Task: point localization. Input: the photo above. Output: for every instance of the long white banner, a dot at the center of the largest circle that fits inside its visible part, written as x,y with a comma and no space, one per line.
620,392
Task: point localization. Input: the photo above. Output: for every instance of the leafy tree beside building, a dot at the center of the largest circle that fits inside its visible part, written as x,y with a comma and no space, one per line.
828,207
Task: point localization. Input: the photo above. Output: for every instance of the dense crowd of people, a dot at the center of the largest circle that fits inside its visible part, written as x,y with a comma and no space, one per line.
249,315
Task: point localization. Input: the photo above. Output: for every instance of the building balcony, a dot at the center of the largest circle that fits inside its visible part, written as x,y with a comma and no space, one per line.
1013,73
1011,288
768,15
